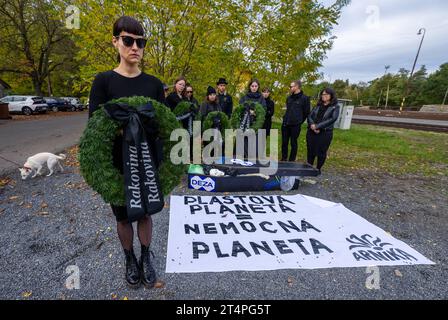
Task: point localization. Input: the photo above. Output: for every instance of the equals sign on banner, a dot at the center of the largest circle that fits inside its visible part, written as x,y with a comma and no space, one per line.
243,217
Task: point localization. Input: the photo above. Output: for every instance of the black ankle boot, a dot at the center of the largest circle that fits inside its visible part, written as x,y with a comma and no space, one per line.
147,271
132,275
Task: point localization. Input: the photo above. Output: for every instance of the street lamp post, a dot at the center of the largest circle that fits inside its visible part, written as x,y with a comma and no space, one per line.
381,93
406,92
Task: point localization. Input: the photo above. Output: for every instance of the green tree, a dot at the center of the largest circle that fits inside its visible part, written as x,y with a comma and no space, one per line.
435,87
33,41
275,41
341,86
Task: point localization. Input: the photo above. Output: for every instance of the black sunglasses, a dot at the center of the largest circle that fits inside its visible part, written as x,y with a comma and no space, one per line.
129,41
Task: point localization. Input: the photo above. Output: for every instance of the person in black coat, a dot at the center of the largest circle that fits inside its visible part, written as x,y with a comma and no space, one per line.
269,111
253,93
175,97
297,110
224,100
320,127
210,104
189,96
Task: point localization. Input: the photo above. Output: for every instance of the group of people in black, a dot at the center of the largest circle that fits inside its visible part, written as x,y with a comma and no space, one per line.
128,80
217,99
298,110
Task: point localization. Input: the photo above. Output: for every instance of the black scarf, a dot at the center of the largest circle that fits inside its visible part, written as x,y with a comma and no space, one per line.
247,118
254,95
142,187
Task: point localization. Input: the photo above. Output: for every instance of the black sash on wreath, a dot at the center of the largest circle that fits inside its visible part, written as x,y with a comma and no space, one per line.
142,187
247,119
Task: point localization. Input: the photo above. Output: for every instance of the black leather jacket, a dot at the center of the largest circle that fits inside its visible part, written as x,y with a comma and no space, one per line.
328,120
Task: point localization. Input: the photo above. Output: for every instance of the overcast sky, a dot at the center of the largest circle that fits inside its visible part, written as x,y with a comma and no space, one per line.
375,33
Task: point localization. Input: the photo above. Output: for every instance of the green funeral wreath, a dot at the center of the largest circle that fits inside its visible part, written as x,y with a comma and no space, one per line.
208,121
238,114
185,107
96,146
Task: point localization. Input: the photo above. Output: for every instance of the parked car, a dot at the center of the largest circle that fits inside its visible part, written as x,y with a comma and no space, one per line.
25,104
57,104
75,103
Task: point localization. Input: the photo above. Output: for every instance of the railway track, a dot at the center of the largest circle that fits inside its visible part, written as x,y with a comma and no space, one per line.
398,124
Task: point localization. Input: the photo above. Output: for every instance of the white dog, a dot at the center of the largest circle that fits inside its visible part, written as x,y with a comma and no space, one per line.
36,164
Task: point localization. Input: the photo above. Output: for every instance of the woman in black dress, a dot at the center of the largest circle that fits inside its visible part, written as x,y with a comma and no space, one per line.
124,81
175,97
320,127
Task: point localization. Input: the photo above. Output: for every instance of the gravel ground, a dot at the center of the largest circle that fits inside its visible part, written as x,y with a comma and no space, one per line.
50,223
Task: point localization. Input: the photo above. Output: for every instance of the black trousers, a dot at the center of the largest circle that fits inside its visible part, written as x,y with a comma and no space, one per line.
290,133
317,146
268,125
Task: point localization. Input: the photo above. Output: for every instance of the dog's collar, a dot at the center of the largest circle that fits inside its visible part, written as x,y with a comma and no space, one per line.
26,167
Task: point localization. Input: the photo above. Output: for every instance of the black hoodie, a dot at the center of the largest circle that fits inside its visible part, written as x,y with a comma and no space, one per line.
297,109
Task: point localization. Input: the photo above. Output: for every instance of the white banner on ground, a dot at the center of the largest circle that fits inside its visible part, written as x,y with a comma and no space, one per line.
225,233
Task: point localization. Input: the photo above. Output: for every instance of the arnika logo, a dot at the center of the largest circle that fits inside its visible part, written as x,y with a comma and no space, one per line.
367,247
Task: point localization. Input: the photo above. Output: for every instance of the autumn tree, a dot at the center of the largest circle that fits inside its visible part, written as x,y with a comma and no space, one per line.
33,40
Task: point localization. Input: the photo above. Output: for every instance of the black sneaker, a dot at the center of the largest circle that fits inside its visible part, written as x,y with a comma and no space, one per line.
148,274
132,275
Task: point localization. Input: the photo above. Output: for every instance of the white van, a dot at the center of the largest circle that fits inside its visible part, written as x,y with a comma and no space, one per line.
25,104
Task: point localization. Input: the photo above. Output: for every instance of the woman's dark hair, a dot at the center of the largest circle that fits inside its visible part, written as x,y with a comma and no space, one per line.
129,25
187,85
332,93
266,89
250,83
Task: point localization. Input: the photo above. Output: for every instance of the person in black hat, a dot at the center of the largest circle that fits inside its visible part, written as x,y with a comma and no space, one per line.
224,100
210,104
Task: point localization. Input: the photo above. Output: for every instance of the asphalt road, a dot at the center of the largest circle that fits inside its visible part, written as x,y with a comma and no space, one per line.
22,139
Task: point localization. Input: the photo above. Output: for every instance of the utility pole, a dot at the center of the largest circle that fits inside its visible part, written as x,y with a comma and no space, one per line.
444,99
387,95
406,91
379,100
381,93
388,86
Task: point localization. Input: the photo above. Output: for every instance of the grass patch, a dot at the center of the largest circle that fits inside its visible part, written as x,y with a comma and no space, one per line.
383,149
